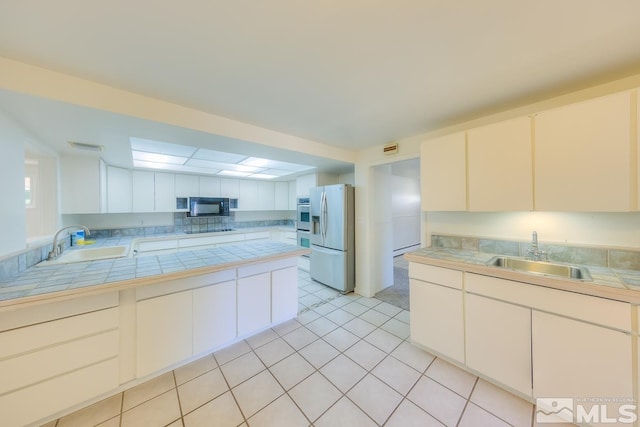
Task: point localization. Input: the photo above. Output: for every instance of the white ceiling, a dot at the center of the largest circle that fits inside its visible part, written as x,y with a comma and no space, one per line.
349,73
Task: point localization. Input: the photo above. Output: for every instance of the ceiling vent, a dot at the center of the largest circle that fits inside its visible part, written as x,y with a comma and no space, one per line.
86,147
390,148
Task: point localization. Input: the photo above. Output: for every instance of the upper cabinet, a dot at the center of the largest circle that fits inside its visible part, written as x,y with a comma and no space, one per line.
281,196
583,156
119,190
187,185
500,167
165,192
143,190
443,173
83,181
229,187
209,186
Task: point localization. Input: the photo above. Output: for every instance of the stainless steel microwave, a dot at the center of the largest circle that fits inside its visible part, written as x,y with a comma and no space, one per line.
208,206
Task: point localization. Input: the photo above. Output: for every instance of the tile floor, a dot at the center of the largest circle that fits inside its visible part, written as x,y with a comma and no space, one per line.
343,362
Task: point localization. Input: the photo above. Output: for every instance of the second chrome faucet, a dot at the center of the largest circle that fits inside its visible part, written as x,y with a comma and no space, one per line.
534,252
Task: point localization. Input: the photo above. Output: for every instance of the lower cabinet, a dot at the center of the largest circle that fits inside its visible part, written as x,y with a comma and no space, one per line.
254,303
214,316
164,331
498,341
284,294
436,318
581,360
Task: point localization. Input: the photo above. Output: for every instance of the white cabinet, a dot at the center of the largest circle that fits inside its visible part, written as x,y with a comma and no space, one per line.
281,196
82,184
500,166
187,185
248,195
436,310
578,359
143,188
230,187
443,173
165,190
254,303
209,186
266,196
214,316
119,190
305,182
582,156
293,197
284,294
164,331
498,341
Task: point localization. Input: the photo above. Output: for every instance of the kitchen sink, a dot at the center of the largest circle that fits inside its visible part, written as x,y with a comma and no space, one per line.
92,254
541,267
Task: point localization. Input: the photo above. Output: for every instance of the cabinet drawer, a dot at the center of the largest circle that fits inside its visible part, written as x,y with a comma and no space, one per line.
438,275
613,314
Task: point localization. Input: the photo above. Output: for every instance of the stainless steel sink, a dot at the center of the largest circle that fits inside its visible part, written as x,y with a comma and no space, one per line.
541,267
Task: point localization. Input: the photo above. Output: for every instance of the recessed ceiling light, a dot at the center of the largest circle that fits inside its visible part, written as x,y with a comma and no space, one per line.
151,146
158,158
234,173
218,156
262,176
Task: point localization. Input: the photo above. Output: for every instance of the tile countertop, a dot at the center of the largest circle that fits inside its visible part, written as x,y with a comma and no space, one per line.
46,283
620,285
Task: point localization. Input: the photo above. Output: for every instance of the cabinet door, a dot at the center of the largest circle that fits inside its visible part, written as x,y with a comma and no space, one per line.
284,294
500,166
582,154
437,318
281,202
143,187
498,341
577,359
266,196
248,195
293,198
165,190
443,173
209,186
254,303
187,185
80,184
164,331
119,190
229,187
304,183
214,316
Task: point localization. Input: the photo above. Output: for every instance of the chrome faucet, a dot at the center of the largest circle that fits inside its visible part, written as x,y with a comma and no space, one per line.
534,252
57,248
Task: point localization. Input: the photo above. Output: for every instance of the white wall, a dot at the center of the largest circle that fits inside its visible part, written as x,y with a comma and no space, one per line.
12,215
405,210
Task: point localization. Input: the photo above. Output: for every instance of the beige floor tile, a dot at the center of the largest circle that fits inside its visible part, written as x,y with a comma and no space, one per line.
262,338
396,374
501,403
341,339
355,308
201,389
257,392
383,340
94,414
232,352
343,372
274,351
397,328
452,377
417,358
375,398
344,414
300,337
369,302
220,412
375,317
113,422
50,424
403,316
291,370
281,413
339,316
359,327
321,326
159,411
319,353
323,309
365,354
315,395
194,369
409,415
474,416
437,400
307,316
342,301
176,423
242,368
388,309
286,327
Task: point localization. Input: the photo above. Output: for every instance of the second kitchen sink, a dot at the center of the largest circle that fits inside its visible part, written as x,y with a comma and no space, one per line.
541,267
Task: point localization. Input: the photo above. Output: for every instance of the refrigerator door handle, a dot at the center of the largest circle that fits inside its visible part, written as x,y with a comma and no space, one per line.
325,214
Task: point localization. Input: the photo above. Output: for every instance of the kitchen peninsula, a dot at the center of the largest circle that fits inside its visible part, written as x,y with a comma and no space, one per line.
103,326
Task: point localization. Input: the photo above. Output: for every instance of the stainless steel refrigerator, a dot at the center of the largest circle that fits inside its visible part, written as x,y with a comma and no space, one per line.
332,259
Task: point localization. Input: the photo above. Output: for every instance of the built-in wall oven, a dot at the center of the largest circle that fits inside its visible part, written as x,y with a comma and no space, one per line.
303,223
